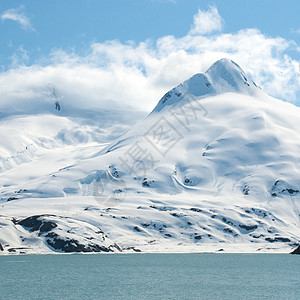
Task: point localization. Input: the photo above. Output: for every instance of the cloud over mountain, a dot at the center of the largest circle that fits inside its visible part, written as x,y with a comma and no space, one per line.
207,21
137,74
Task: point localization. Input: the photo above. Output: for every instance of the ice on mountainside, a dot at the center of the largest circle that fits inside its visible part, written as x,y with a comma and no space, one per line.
214,166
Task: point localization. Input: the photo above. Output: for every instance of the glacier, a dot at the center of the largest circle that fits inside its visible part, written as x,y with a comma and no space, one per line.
213,168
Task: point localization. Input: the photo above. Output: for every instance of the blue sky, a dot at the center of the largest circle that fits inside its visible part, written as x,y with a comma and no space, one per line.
74,25
178,37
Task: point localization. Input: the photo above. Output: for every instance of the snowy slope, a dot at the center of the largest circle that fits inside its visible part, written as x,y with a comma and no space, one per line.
44,127
214,167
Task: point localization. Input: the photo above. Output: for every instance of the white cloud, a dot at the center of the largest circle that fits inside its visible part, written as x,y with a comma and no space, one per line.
19,58
206,22
295,31
137,75
17,15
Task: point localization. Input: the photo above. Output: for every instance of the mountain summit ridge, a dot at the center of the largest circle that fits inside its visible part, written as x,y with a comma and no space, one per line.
223,76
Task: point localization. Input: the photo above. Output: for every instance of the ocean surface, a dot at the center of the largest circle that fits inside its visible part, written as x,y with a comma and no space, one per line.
150,276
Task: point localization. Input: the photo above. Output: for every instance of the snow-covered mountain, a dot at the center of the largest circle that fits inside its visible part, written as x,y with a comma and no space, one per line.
214,167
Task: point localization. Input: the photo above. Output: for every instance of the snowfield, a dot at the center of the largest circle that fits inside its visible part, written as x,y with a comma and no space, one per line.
215,167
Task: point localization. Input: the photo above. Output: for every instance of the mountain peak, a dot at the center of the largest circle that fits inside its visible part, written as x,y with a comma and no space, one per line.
224,76
227,76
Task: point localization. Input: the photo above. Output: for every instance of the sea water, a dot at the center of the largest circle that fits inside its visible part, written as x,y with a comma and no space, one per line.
150,276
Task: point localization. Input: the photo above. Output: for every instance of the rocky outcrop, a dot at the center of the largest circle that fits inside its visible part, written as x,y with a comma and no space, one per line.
65,235
296,251
71,245
37,223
